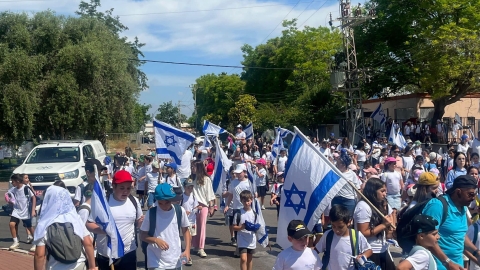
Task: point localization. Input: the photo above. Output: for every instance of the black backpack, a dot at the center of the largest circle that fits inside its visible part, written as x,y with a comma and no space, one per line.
63,244
404,217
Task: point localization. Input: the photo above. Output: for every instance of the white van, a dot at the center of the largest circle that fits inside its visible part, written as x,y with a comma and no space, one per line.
60,160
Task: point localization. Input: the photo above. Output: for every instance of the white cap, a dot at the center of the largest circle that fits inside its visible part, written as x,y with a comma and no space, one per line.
240,168
239,126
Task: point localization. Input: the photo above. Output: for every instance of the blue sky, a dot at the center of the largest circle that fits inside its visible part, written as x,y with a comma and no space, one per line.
195,31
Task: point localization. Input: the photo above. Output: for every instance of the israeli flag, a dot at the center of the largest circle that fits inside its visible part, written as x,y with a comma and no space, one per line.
397,139
222,166
249,131
379,115
206,143
212,129
100,213
311,183
393,135
262,233
171,142
278,143
401,142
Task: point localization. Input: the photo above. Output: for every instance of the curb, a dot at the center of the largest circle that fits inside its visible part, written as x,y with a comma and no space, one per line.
18,251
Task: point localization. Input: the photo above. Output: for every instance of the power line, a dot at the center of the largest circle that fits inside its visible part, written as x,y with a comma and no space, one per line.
280,22
215,9
314,13
209,65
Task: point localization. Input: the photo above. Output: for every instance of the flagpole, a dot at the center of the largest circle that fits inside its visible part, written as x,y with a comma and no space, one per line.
335,169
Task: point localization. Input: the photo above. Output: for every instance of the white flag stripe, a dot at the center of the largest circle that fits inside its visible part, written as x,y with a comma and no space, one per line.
379,115
171,142
222,166
212,129
100,213
311,182
249,131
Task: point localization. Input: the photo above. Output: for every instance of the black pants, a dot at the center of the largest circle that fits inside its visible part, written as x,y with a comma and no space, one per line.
127,262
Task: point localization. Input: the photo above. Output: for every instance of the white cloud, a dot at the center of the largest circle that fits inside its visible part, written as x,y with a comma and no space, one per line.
218,33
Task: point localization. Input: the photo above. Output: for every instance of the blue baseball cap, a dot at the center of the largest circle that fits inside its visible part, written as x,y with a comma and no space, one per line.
165,192
171,165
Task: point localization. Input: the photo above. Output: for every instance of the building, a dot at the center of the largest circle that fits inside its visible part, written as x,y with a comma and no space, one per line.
420,107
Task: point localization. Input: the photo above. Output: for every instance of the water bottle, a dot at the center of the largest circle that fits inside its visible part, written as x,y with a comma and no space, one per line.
362,260
184,260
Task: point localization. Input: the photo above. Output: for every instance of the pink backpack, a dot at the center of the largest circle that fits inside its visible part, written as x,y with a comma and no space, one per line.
9,198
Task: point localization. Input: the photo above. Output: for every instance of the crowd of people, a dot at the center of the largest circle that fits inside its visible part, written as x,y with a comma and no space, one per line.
425,197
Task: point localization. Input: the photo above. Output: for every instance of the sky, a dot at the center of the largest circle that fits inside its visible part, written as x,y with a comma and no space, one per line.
193,31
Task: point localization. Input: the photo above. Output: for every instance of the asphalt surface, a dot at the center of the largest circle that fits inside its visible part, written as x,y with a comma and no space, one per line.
217,247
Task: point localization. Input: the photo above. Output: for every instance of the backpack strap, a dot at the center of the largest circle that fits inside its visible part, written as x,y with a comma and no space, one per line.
178,213
431,260
84,207
354,245
326,253
152,214
475,233
134,202
445,208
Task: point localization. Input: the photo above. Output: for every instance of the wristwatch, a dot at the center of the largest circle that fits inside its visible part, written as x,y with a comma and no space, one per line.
446,262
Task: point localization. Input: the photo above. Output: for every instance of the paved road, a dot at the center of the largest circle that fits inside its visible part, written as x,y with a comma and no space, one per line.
220,253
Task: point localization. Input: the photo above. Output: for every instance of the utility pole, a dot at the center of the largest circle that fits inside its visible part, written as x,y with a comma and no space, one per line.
194,88
179,115
346,76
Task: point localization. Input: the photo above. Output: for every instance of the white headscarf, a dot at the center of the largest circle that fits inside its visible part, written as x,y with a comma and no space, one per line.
57,207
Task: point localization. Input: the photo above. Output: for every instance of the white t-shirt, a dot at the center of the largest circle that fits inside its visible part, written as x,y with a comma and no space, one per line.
84,213
463,148
392,181
140,174
246,239
340,244
78,193
280,162
53,264
240,135
20,208
204,193
174,181
185,170
361,155
152,179
471,234
167,230
347,190
363,214
407,131
420,260
125,215
417,151
261,181
325,151
291,259
236,187
189,203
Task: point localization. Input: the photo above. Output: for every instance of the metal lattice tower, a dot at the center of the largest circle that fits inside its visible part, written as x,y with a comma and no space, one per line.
346,76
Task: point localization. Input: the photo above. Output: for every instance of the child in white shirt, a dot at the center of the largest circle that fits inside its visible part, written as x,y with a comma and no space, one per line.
298,256
338,253
276,192
422,228
246,225
191,206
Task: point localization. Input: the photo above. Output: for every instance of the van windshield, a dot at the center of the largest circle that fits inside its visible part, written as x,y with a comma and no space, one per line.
54,155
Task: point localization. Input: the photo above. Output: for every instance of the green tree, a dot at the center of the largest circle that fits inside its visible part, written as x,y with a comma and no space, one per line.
141,115
65,77
170,114
215,96
243,112
304,83
424,46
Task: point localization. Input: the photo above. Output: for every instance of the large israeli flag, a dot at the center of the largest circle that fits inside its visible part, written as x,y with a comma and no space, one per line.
282,133
171,142
212,129
101,215
401,142
249,131
311,183
222,166
397,138
379,115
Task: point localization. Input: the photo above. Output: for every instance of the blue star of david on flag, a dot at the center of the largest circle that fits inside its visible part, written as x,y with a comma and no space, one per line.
170,141
104,225
288,197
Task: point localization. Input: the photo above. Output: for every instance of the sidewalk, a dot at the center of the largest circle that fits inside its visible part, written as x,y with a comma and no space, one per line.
3,186
15,260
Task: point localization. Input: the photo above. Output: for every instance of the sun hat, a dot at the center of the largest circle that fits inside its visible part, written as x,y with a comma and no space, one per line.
427,179
171,165
433,156
240,168
165,192
390,160
262,161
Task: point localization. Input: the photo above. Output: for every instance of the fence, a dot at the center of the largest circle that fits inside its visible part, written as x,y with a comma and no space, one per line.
119,141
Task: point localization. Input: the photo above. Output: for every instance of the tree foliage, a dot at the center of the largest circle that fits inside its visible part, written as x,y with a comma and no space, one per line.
66,77
170,114
243,112
429,46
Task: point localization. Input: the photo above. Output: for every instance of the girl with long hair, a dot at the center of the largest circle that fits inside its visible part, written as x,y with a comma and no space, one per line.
375,228
459,161
203,192
425,189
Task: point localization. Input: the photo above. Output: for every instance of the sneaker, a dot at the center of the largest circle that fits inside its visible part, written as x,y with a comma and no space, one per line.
33,248
233,242
29,239
189,262
202,253
14,246
263,207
